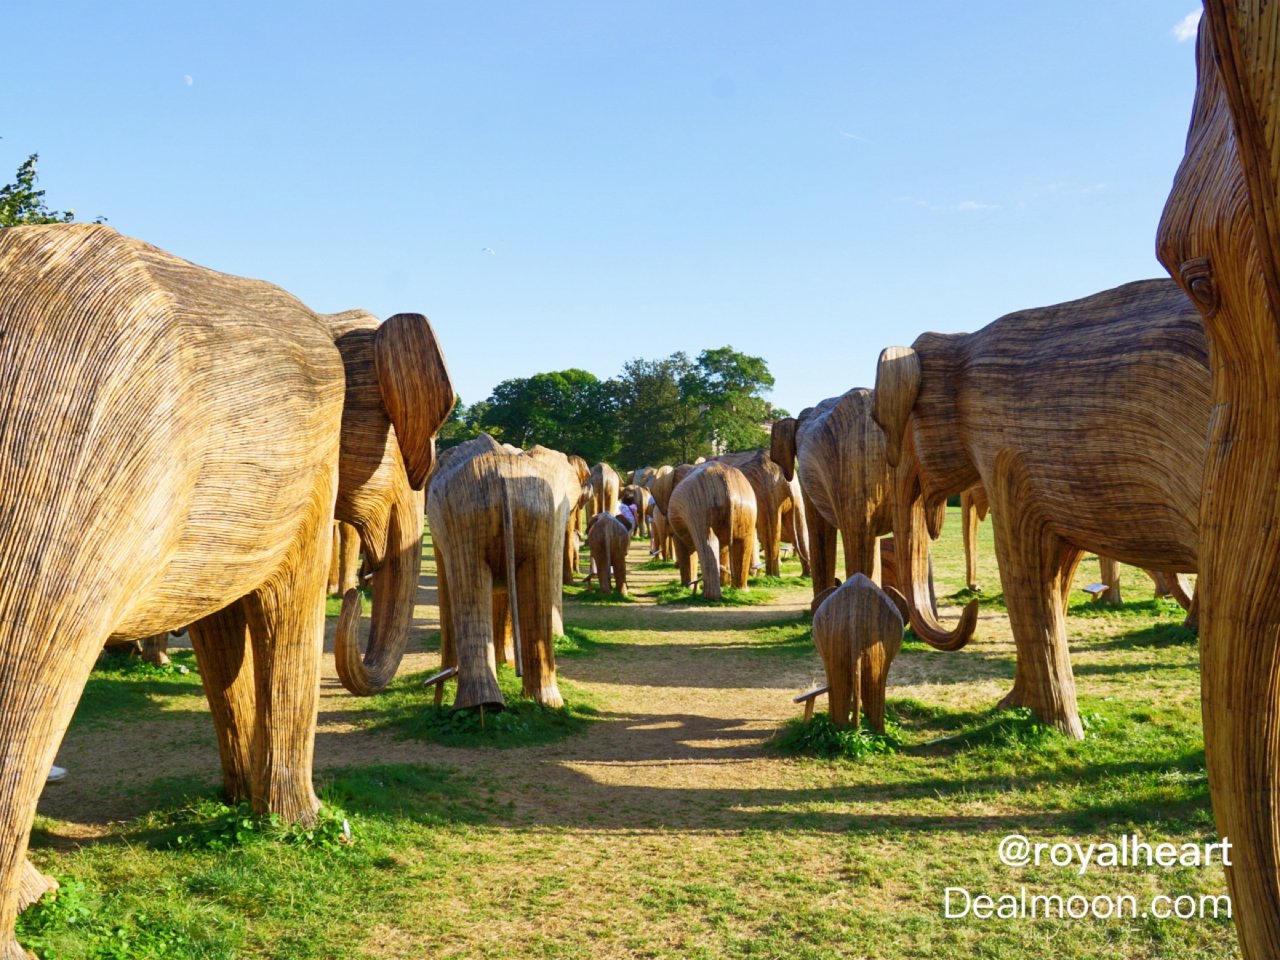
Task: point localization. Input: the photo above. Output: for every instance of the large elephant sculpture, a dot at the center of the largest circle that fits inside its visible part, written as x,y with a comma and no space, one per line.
200,416
780,510
572,538
1009,406
606,488
713,517
1220,239
497,516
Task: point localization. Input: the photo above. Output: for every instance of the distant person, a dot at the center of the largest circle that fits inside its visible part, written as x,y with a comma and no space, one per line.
628,513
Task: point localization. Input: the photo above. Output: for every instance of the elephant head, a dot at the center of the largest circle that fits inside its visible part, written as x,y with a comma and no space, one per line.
928,463
1219,237
398,393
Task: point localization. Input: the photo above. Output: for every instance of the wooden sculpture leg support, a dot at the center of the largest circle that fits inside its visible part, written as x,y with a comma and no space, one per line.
969,527
286,628
741,553
684,562
771,539
822,550
30,731
537,650
225,660
1035,569
709,559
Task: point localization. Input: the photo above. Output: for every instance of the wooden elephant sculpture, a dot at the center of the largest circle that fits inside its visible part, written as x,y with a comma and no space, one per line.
200,415
606,489
497,516
1007,406
608,540
713,517
660,541
1219,237
858,631
779,507
571,538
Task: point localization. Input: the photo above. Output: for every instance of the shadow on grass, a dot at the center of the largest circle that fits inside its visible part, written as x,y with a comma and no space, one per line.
674,593
127,690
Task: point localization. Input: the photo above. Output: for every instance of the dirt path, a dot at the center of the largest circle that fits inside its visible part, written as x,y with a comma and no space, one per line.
686,710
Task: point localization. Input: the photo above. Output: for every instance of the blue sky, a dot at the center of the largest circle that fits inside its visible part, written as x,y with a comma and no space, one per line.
577,184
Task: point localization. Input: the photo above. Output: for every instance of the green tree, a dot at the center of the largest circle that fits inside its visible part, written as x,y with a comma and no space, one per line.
21,202
726,386
656,422
463,424
567,410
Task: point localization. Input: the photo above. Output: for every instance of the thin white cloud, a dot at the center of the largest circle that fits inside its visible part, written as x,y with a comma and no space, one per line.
964,206
853,136
188,79
1185,29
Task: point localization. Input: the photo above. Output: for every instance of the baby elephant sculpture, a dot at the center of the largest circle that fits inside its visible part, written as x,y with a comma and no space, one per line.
608,540
858,631
713,515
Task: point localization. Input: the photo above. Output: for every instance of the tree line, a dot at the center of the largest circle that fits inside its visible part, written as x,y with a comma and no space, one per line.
672,410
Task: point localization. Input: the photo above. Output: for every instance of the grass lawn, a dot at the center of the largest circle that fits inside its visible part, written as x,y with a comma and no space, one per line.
660,818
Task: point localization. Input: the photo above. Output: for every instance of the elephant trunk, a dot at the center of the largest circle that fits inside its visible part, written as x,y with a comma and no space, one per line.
395,587
911,542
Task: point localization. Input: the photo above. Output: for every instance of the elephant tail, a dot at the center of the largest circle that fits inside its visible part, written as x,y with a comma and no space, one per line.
509,551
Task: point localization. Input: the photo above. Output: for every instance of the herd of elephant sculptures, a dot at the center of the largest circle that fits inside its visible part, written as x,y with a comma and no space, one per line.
176,446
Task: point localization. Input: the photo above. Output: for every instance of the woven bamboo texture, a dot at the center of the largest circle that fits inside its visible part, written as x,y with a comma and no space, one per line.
498,517
713,517
608,540
168,456
858,631
780,514
838,453
606,489
398,394
1220,238
1085,424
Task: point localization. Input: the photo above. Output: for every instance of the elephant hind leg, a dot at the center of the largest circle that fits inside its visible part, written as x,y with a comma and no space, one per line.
537,651
286,624
1036,569
225,660
709,558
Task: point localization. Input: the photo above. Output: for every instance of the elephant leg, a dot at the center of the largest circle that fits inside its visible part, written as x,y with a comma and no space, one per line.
1034,568
570,554
335,554
286,627
769,528
503,644
877,656
834,642
684,562
605,568
39,688
1110,573
448,653
533,581
969,529
709,559
620,566
740,556
822,551
470,629
33,885
225,659
348,557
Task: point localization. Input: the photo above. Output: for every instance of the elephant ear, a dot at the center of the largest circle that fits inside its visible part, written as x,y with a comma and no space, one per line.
415,387
782,446
897,385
